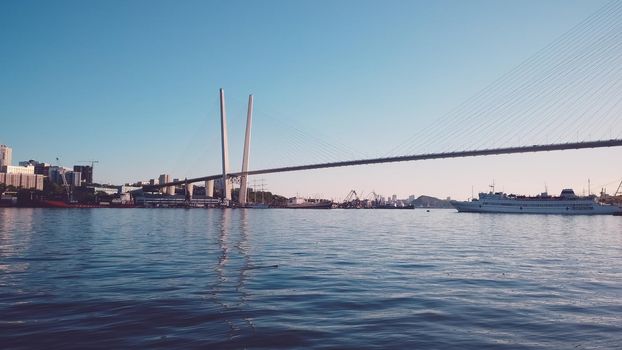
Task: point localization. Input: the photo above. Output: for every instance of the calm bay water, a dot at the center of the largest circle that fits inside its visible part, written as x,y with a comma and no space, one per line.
175,278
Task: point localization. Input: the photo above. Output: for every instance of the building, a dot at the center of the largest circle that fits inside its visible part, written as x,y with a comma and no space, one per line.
20,176
86,171
73,178
6,154
40,167
12,179
27,181
18,169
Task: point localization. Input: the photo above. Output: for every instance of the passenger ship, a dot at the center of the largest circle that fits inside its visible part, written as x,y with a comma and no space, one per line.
567,203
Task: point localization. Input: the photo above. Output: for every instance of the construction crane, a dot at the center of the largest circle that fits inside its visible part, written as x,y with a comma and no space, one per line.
89,161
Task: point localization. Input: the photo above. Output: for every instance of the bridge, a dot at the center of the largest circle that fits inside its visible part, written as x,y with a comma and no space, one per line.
414,157
572,84
226,175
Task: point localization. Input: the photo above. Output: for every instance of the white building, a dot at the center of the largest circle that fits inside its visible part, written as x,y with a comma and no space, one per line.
21,176
28,181
5,155
18,169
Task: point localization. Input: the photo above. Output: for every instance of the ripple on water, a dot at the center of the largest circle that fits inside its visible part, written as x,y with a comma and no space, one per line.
232,279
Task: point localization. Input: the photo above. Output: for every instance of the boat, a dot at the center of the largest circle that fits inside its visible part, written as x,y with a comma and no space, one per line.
567,203
301,203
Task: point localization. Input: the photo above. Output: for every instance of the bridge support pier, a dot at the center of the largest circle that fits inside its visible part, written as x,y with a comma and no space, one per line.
189,188
209,188
246,155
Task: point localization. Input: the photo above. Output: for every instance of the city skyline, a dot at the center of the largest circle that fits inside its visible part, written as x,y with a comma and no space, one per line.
141,96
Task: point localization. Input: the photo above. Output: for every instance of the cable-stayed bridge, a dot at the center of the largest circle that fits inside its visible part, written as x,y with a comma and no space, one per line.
566,96
414,157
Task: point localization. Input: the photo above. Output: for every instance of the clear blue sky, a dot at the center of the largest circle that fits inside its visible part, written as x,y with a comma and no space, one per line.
134,84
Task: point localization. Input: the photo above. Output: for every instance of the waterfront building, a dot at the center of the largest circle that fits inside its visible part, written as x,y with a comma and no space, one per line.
86,172
20,176
74,178
27,181
18,169
12,179
6,153
39,182
40,167
55,174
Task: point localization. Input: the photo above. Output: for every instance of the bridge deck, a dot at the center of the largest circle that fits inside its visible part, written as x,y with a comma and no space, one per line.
459,154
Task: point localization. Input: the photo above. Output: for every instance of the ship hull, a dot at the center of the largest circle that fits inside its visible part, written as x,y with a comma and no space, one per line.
310,205
537,207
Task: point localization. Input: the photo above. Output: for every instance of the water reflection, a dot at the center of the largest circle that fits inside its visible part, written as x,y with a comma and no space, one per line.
146,278
16,230
243,248
232,265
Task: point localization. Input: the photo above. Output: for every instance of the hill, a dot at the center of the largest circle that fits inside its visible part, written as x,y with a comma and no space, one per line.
431,202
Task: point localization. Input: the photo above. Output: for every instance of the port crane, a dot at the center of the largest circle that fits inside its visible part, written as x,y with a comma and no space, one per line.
66,186
352,200
375,198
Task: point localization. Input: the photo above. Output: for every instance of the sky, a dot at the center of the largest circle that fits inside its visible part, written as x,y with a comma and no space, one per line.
134,85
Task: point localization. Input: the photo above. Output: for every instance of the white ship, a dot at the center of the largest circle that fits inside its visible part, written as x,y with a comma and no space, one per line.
301,203
567,203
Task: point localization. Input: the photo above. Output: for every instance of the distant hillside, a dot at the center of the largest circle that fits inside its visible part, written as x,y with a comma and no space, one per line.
431,202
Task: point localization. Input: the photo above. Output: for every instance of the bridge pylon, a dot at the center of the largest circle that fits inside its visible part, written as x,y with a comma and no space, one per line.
246,155
226,185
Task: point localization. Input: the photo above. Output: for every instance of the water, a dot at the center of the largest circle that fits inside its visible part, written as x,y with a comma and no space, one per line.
311,279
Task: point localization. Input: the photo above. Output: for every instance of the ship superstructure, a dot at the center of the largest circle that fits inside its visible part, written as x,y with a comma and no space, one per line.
567,203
